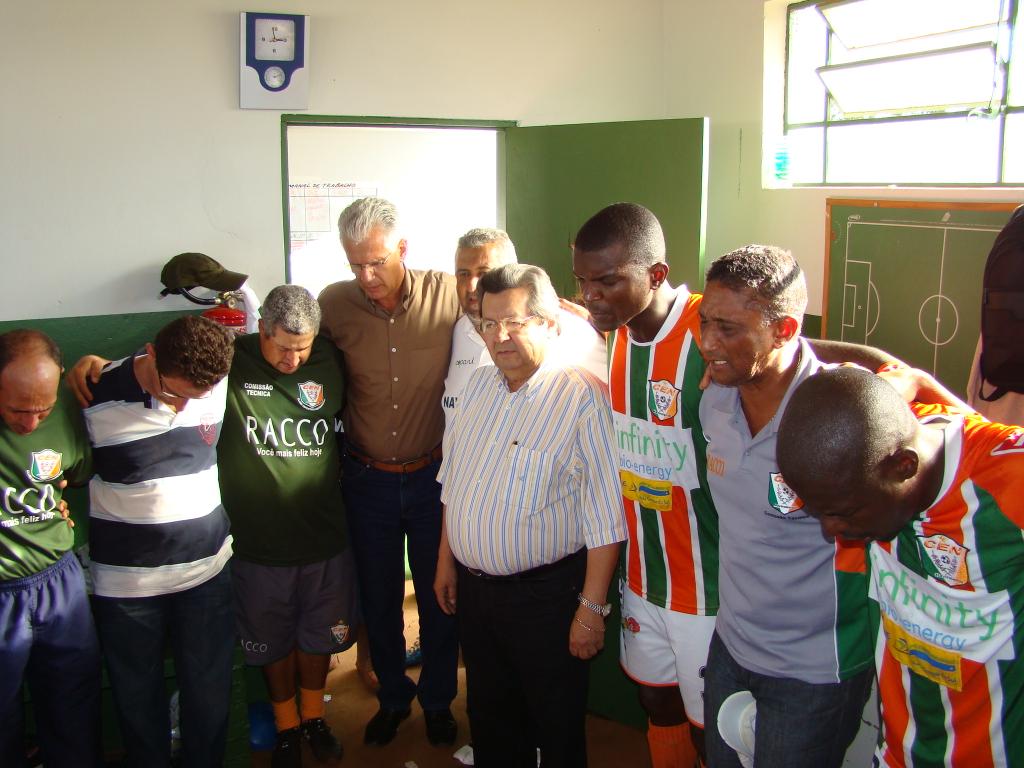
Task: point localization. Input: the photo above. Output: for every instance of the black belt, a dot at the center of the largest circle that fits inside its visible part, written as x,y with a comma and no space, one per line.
534,573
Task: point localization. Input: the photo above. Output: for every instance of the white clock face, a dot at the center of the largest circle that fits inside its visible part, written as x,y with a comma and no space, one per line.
273,77
275,40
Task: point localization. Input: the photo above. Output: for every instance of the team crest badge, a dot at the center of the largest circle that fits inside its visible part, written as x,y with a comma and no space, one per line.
311,395
46,465
945,559
340,632
781,496
1014,443
662,399
208,428
630,624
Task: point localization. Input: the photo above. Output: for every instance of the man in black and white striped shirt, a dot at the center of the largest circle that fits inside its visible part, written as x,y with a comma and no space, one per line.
159,540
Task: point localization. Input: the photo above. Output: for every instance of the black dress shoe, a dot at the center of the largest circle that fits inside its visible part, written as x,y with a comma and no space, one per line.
441,726
383,726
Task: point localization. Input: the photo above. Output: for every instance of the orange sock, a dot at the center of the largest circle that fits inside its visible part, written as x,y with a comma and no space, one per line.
671,746
311,703
285,715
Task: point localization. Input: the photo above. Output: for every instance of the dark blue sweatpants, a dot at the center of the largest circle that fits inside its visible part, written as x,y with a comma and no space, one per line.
48,640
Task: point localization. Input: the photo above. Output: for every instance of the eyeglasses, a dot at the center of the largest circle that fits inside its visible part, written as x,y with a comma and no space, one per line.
165,392
510,324
374,265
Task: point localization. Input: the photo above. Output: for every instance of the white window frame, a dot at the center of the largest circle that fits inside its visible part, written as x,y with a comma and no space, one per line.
775,149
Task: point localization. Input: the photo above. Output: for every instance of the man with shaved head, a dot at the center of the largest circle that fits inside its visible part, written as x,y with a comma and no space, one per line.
937,494
47,636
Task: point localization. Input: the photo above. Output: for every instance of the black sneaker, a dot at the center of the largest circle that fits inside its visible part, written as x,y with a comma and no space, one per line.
287,750
321,740
441,726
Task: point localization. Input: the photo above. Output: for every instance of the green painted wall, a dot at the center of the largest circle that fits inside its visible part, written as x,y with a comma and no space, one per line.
112,336
558,176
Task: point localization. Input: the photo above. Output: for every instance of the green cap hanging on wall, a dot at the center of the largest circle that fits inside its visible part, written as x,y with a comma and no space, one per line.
188,270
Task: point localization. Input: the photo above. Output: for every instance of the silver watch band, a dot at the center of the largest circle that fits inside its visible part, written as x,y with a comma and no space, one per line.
600,610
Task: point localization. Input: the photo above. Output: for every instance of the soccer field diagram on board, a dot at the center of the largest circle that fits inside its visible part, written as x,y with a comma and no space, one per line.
906,276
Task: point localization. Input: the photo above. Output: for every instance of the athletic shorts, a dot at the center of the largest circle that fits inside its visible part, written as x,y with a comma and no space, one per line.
310,607
660,648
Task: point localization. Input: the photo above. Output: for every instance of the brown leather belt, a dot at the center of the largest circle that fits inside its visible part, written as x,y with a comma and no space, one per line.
400,468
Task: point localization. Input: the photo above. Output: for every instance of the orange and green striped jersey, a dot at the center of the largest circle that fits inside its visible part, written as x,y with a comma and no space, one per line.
671,553
948,600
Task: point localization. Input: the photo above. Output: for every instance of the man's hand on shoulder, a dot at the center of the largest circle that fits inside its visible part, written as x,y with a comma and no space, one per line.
913,384
86,370
581,312
62,508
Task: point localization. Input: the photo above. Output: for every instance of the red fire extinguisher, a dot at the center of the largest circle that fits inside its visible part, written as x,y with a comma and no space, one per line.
228,315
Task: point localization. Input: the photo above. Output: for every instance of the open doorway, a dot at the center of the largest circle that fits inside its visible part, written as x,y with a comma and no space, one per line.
443,179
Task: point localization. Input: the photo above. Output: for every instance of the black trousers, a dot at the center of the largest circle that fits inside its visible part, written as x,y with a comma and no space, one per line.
524,689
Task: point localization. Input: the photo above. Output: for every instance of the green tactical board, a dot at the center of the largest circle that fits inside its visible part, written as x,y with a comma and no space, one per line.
905,276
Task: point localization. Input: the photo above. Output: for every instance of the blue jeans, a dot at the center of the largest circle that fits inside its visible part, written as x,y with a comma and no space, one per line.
799,725
199,623
384,509
48,640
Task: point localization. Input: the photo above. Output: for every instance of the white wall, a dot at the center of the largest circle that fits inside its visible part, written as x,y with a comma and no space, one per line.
714,67
122,142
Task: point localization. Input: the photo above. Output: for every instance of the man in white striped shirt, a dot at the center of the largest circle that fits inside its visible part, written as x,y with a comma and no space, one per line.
159,541
532,528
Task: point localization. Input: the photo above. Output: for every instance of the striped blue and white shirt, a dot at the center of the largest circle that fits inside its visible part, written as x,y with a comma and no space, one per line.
156,524
529,477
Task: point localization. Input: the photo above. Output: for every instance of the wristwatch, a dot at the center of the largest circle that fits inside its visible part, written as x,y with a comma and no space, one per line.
600,610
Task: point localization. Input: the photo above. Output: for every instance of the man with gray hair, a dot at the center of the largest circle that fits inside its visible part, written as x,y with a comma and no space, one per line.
479,251
293,572
532,530
393,326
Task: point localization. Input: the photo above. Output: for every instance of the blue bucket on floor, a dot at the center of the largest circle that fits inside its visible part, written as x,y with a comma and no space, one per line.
262,731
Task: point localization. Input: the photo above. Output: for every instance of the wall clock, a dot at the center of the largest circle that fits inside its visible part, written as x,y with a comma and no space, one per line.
273,66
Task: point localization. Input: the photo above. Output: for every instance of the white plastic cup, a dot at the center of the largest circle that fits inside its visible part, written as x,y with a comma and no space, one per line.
737,722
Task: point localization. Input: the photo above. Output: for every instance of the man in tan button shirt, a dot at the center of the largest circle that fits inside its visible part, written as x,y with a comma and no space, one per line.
393,326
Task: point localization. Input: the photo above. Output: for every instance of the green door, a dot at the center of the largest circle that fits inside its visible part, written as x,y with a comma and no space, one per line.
558,176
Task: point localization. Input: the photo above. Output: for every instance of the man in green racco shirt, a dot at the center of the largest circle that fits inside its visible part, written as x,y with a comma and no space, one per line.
293,572
47,636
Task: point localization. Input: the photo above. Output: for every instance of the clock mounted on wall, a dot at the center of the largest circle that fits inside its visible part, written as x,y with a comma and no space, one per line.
273,66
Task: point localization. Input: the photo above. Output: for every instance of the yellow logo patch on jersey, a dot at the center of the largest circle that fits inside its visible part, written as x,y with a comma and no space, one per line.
652,494
927,660
46,465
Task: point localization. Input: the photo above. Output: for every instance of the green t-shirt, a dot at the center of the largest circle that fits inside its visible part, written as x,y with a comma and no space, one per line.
33,536
278,457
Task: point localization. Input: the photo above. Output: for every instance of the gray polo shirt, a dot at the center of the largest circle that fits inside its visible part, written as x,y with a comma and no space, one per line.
785,610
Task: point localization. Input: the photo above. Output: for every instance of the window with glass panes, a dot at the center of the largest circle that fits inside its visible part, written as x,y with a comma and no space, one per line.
907,92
